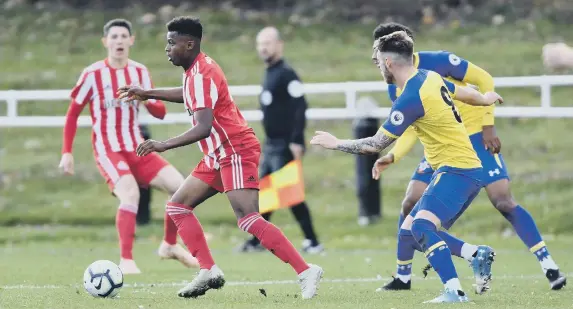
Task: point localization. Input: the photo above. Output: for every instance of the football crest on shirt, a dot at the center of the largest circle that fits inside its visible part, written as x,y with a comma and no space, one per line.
266,98
122,165
454,60
397,118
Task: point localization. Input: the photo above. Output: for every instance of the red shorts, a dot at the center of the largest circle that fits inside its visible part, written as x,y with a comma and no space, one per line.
236,171
113,165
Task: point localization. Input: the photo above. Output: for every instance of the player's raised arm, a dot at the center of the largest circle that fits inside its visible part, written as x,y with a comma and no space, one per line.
137,93
463,70
477,76
202,112
471,96
470,73
364,146
202,129
404,112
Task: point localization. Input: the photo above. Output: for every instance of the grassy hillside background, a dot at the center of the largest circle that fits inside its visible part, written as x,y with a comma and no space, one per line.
48,51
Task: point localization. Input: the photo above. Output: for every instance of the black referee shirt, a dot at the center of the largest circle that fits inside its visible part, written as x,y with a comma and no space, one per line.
283,105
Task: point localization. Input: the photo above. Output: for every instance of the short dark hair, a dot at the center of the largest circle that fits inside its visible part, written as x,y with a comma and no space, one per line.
118,22
188,25
387,28
397,42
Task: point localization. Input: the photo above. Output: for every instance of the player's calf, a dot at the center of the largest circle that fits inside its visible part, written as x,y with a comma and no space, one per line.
276,242
127,191
439,256
245,203
407,246
192,233
525,227
414,192
273,239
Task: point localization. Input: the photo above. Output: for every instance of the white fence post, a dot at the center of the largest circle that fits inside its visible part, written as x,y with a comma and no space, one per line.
546,95
350,95
11,104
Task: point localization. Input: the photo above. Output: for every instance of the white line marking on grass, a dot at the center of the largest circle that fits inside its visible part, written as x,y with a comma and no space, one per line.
270,282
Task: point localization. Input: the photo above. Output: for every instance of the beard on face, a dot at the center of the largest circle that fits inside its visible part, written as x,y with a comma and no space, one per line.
266,56
388,77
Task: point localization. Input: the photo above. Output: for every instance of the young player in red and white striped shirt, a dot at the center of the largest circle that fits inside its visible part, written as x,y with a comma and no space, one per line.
115,136
230,164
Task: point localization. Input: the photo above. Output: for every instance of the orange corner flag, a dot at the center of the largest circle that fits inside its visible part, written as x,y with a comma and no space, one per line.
282,189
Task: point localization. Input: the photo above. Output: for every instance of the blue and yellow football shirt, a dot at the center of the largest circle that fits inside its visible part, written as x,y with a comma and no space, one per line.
426,104
460,72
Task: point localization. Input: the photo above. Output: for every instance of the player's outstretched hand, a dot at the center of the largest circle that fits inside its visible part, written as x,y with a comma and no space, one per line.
324,139
492,97
381,164
150,146
67,164
132,93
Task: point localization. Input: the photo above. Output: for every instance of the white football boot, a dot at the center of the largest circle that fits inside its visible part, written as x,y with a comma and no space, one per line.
206,279
309,280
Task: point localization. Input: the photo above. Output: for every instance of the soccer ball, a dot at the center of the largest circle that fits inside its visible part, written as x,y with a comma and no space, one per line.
103,279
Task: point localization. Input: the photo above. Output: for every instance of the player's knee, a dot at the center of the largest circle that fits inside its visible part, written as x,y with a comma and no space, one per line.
128,195
180,200
168,179
408,204
420,230
176,180
504,204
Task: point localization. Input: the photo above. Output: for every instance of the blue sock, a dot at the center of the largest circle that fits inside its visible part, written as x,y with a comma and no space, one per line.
527,230
435,249
407,246
455,244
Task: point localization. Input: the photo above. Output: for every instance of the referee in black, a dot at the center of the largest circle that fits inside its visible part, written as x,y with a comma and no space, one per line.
284,106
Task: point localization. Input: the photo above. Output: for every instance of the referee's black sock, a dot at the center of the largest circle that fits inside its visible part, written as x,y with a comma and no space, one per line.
144,210
302,215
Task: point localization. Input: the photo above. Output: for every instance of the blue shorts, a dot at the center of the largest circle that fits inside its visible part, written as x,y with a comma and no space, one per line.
450,193
494,167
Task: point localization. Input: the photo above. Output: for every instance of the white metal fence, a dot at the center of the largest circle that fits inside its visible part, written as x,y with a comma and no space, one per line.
349,89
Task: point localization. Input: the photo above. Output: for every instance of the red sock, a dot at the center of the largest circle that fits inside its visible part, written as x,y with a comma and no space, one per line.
125,225
191,232
273,239
169,230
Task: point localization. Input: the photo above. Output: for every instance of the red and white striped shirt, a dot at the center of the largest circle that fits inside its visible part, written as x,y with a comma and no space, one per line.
205,86
115,125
